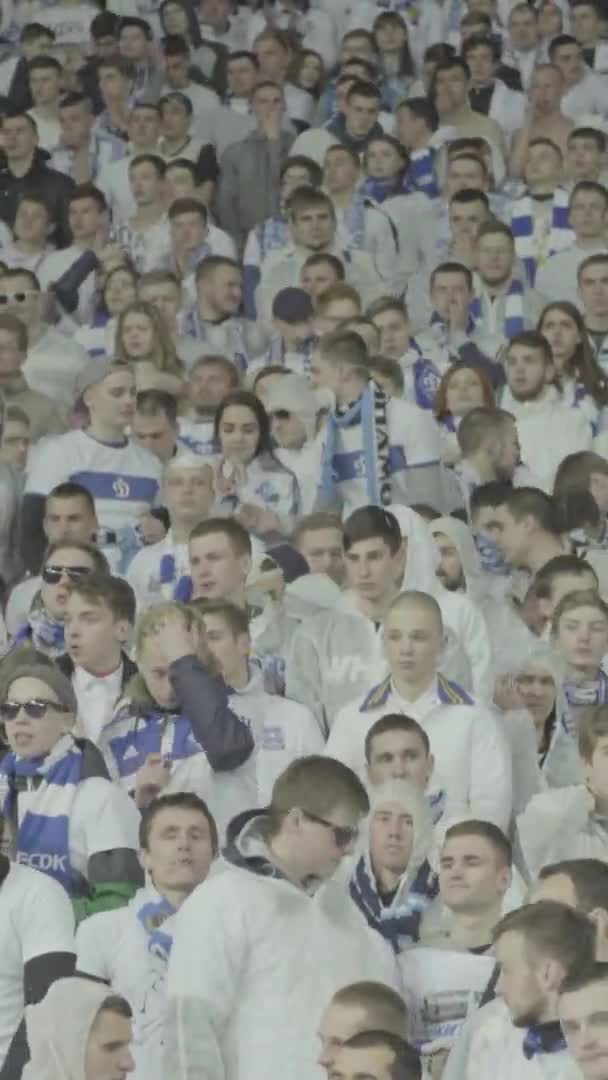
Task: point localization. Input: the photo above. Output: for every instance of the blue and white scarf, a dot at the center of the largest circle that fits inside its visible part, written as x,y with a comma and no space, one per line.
522,227
514,310
132,736
547,1038
380,189
271,235
236,345
370,412
490,555
352,219
441,330
171,586
153,914
581,696
45,632
422,376
276,354
399,924
421,175
42,839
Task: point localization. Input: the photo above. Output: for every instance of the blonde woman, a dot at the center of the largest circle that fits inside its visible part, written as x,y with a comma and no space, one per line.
143,339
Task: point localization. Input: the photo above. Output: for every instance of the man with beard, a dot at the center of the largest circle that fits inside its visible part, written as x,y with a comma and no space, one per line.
210,379
534,401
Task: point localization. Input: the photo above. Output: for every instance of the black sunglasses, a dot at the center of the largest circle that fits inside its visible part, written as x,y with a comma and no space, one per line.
35,708
344,835
52,575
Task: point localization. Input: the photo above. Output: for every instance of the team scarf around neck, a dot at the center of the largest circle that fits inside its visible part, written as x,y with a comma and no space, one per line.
522,227
422,376
514,310
399,924
45,632
370,413
42,837
137,735
153,912
421,175
172,586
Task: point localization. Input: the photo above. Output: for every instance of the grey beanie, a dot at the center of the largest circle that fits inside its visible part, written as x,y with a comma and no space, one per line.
54,679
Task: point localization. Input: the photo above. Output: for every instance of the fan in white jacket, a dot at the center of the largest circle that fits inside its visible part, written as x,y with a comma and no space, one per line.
472,761
263,946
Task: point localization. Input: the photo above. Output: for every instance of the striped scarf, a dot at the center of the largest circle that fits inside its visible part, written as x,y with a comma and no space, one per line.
42,839
421,377
153,912
582,696
522,227
172,587
370,412
352,219
271,235
514,310
421,175
398,923
132,736
45,632
441,330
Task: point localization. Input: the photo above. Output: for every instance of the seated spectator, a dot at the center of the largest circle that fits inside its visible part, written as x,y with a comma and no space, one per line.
16,438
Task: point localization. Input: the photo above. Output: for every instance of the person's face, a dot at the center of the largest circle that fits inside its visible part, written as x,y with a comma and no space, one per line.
508,450
175,118
373,1063
239,434
76,124
313,228
471,878
108,1056
410,128
316,279
583,1016
55,597
585,24
356,47
155,672
583,158
383,160
11,358
22,300
188,493
563,585
208,385
112,401
523,29
527,372
536,688
598,486
242,76
154,433
217,570
495,258
451,90
465,219
319,851
340,172
336,313
563,336
391,35
179,183
413,641
394,331
543,165
177,71
287,429
146,184
19,138
311,72
32,222
179,850
92,634
164,296
588,214
593,289
133,44
464,173
550,21
188,231
39,46
229,649
223,289
391,837
518,982
114,87
137,335
449,570
482,65
45,86
338,1024
119,291
582,637
324,552
545,91
361,114
214,13
372,569
28,737
448,289
69,518
175,20
399,755
15,443
84,218
144,126
511,536
464,392
273,60
569,60
294,177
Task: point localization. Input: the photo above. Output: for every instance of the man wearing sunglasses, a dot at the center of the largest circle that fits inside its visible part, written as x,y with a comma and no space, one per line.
261,948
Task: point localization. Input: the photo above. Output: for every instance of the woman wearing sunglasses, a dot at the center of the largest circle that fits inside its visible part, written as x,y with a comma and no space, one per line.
65,816
63,564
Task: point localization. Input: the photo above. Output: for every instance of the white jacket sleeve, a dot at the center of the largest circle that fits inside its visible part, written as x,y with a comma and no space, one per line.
95,942
303,679
549,822
344,742
475,641
203,983
490,787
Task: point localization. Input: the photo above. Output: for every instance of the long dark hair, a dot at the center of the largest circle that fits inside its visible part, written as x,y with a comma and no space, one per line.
582,365
194,30
406,62
248,401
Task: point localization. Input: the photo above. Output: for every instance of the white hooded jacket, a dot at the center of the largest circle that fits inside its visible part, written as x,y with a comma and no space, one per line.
58,1029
